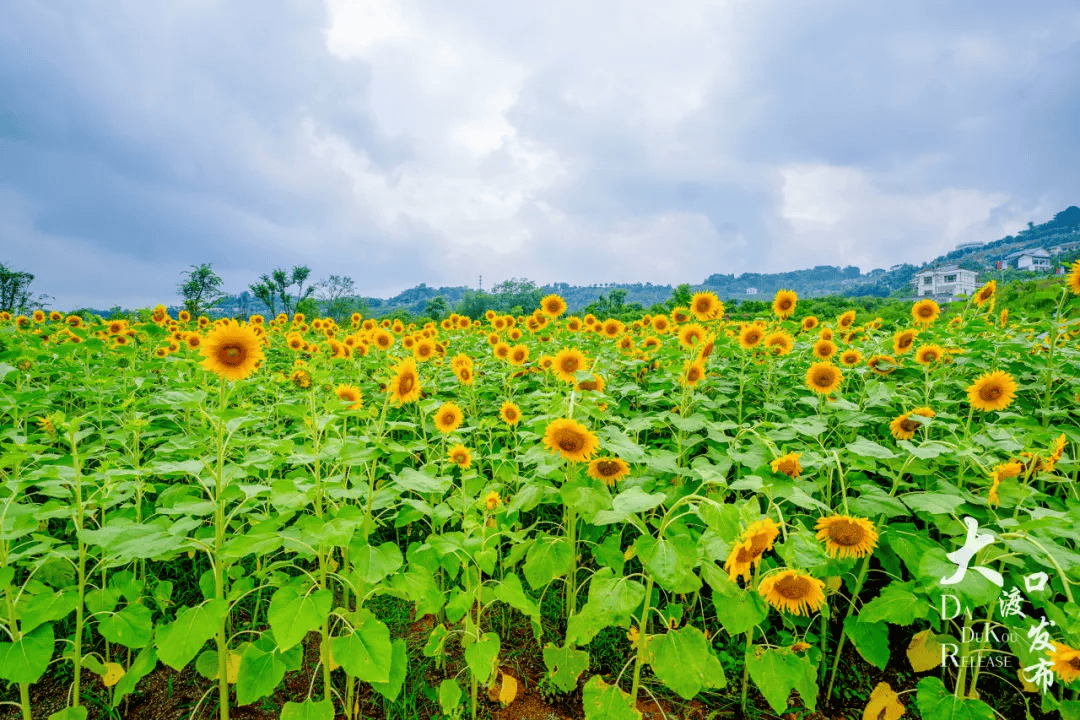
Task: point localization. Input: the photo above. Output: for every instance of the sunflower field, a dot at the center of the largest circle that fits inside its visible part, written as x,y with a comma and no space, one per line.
543,516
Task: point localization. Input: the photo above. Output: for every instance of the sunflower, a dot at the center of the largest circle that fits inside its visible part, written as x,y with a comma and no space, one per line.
492,499
460,456
693,373
661,324
465,374
350,394
845,320
510,413
1050,463
986,292
784,303
846,536
571,440
823,378
383,339
706,306
596,384
1004,316
609,470
518,354
232,351
779,343
928,354
992,391
405,385
1066,662
850,358
568,362
809,322
1074,278
925,311
612,328
903,341
793,592
753,543
301,378
750,335
161,352
553,306
903,427
651,343
824,349
882,364
448,417
691,335
680,315
39,316
788,465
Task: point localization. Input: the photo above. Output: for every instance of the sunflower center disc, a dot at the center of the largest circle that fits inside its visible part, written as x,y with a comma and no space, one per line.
232,354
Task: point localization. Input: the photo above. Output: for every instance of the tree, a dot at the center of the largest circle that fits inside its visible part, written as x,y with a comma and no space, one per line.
264,292
617,298
338,297
513,293
474,303
275,286
681,296
436,308
201,290
14,289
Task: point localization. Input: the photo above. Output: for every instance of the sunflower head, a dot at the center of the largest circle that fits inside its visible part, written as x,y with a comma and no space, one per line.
882,364
751,335
845,320
779,343
510,413
850,358
846,536
929,354
985,293
784,303
231,351
925,311
448,417
793,592
571,440
350,394
904,341
809,322
788,465
691,335
992,391
608,470
706,306
1066,662
460,456
693,373
824,349
553,306
405,384
823,378
301,378
1074,278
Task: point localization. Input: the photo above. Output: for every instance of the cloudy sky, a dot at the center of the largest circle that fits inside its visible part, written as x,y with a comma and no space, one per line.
408,141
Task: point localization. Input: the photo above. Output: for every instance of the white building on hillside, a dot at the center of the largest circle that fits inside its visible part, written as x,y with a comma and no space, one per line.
944,282
751,291
1037,260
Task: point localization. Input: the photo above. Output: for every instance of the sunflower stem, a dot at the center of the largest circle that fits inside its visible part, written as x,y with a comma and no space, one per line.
843,633
643,626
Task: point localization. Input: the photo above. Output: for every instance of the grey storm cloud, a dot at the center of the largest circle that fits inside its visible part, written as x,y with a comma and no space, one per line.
413,141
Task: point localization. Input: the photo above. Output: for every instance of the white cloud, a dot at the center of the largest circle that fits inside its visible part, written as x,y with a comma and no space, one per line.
847,211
